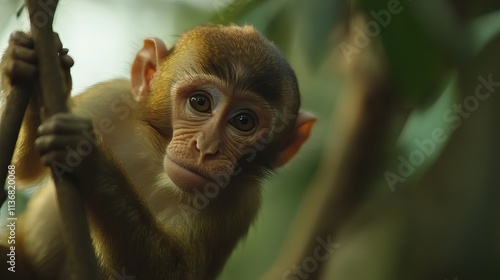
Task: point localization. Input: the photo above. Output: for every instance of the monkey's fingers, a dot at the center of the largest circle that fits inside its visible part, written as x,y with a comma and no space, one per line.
20,72
49,158
22,39
26,40
72,151
65,124
64,137
25,54
54,143
66,61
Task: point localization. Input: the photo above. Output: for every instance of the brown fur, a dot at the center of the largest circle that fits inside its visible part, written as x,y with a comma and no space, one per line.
138,217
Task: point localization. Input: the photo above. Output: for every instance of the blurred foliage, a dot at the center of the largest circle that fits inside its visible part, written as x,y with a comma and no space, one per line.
424,43
302,30
415,72
312,21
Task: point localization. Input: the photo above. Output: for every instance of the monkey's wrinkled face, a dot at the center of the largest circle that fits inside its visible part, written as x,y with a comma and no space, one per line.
212,126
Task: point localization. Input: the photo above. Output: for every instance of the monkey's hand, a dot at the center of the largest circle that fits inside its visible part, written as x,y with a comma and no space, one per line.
19,62
19,70
66,143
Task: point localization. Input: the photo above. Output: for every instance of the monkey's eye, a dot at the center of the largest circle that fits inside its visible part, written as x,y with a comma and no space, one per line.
243,121
200,102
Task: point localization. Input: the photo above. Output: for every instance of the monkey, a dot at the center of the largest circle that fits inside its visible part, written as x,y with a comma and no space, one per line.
170,162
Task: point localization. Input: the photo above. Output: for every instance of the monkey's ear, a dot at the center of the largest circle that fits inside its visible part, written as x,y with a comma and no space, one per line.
144,66
300,133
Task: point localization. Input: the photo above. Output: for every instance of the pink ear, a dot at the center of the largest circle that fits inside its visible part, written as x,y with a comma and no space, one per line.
144,66
300,133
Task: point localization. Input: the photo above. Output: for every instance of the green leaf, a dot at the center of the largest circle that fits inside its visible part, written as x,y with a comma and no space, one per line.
414,60
233,11
318,19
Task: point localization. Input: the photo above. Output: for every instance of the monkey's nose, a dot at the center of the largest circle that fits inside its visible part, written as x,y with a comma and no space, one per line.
206,146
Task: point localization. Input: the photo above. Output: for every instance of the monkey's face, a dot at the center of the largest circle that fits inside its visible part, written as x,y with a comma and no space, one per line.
226,100
213,127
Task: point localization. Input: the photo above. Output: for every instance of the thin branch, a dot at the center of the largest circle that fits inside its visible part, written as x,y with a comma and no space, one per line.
83,264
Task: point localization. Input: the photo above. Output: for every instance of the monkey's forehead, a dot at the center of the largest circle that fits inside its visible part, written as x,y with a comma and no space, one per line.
239,43
243,57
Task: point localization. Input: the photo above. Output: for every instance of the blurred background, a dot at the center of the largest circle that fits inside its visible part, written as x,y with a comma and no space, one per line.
401,172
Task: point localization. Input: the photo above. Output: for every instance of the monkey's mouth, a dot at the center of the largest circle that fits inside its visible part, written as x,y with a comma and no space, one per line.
184,178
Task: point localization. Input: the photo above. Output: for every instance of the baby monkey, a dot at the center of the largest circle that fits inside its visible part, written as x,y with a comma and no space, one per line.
170,162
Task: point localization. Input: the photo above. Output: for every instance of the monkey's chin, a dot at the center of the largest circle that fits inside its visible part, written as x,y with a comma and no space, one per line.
183,178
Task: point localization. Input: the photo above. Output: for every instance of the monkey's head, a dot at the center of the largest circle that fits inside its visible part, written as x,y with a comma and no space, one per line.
226,99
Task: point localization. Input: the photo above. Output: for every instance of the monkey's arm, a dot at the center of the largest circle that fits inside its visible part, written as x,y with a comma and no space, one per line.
139,245
18,72
18,69
125,233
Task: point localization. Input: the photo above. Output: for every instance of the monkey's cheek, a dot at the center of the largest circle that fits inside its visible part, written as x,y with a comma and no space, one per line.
183,178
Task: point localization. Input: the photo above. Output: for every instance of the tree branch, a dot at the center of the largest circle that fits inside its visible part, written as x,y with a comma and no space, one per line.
83,264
